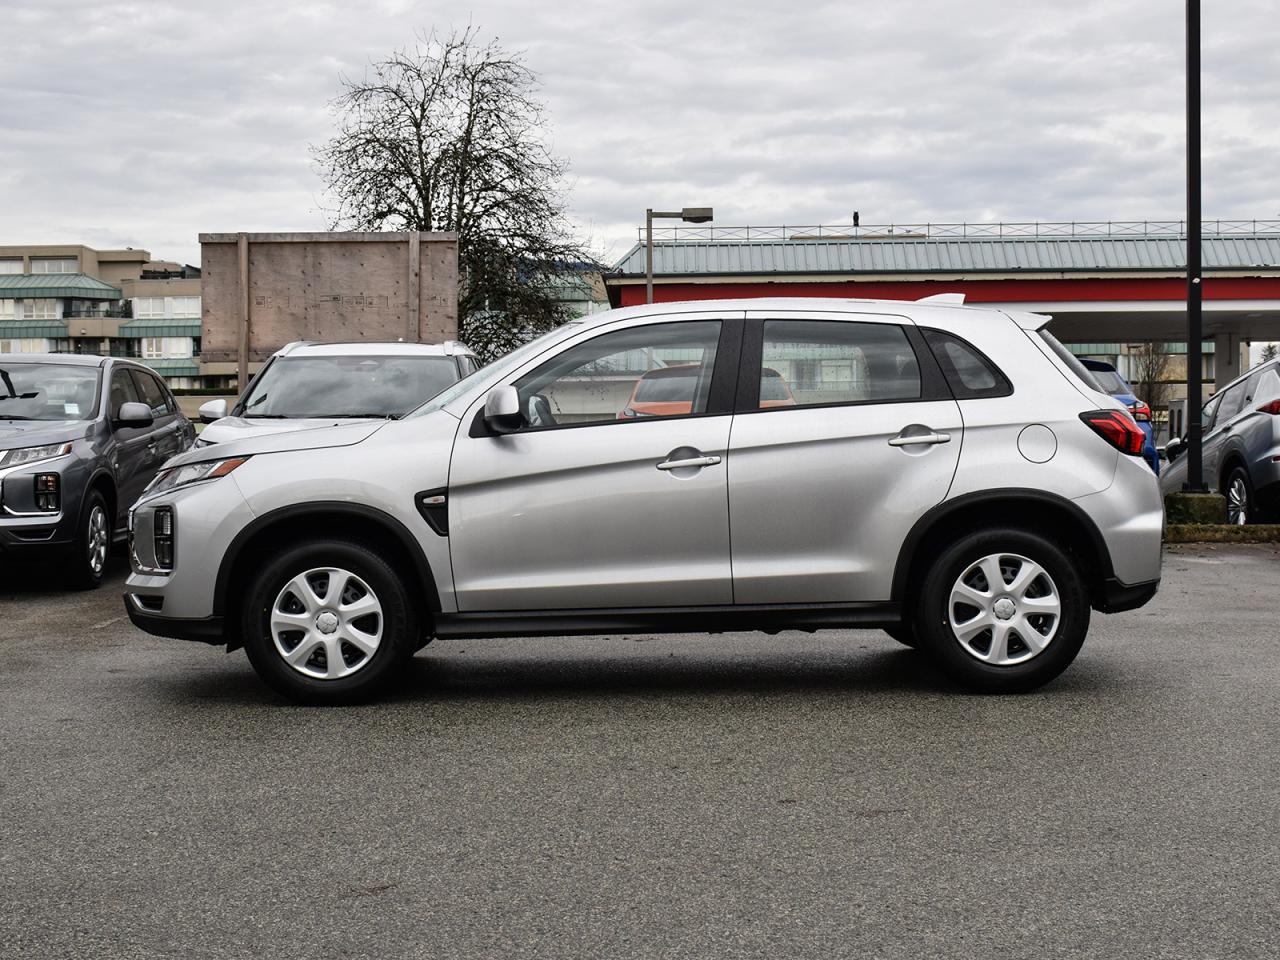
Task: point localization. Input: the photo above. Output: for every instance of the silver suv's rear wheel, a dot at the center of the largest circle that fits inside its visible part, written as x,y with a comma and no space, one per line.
328,622
1003,610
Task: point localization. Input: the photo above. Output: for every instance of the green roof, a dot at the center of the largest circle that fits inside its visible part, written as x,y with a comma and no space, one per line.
185,367
13,329
75,286
161,328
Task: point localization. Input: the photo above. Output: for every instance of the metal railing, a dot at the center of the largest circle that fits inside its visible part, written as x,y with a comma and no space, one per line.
1027,230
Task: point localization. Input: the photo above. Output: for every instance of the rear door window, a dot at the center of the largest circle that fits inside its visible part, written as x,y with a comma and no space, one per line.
822,362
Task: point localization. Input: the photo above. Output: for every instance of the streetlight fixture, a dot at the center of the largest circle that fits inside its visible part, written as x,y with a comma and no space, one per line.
688,215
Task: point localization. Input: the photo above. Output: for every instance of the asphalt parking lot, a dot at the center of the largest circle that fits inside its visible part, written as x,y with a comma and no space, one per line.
692,796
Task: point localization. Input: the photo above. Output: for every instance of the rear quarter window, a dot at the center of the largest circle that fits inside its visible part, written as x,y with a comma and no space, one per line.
970,373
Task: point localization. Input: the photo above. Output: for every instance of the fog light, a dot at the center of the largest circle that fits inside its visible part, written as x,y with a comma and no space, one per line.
48,497
162,537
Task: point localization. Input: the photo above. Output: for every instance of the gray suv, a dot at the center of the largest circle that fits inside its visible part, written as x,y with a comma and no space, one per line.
1241,446
80,437
948,474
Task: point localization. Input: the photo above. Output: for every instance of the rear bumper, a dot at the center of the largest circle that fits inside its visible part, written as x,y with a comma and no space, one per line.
1117,597
201,630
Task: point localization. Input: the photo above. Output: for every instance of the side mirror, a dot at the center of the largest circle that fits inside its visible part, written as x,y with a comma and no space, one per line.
213,410
502,410
134,414
1172,449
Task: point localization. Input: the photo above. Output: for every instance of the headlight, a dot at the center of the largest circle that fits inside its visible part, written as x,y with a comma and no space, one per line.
15,458
189,473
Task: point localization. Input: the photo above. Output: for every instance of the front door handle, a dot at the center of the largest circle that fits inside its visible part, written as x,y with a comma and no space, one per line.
691,462
901,441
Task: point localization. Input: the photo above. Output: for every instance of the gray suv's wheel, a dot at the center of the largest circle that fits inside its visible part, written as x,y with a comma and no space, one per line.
1239,492
93,544
328,622
1003,611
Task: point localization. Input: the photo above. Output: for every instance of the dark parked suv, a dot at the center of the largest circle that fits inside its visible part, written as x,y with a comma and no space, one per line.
80,437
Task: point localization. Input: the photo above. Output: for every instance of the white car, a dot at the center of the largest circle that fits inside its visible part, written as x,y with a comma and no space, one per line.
317,384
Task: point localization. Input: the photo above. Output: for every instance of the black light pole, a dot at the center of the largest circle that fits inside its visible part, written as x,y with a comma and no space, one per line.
688,215
1195,367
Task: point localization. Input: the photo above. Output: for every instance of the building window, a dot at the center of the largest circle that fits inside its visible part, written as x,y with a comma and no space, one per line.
25,345
166,348
8,309
148,308
40,310
55,265
185,306
10,266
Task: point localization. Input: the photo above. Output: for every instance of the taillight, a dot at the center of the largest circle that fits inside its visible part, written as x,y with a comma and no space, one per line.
1272,408
1141,412
1117,429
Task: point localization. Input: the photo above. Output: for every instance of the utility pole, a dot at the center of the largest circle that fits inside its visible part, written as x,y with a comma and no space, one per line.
1195,316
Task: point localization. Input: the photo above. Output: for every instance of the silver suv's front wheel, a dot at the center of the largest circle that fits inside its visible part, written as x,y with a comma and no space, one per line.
328,622
1003,610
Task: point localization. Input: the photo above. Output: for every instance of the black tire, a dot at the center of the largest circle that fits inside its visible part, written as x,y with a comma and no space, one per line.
398,621
933,614
85,569
1241,476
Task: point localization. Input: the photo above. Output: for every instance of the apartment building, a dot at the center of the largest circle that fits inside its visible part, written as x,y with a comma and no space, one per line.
75,299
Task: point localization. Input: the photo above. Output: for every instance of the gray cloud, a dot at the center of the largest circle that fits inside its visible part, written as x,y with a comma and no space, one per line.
144,124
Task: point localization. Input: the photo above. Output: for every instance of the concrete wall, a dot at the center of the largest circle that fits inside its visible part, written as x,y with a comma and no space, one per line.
324,286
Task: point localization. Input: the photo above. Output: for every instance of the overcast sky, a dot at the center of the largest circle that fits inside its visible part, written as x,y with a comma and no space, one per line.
143,124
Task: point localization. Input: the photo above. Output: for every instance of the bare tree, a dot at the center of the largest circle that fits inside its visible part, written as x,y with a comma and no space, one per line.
1268,352
1149,363
448,135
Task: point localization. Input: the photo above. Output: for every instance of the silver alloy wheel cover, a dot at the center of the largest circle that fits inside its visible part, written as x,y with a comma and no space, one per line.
1238,502
1020,612
97,540
328,623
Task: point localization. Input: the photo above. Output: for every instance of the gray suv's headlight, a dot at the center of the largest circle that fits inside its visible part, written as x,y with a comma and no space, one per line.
190,473
16,458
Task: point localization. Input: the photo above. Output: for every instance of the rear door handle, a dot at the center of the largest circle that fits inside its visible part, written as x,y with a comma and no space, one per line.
901,441
691,462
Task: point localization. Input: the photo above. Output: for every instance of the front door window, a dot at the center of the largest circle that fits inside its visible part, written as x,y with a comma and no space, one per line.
661,370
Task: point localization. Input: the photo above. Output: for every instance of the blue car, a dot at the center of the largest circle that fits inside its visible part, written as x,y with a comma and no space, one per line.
1109,379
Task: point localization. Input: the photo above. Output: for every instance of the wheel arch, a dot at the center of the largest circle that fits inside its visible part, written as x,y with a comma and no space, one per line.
340,520
1054,517
1235,458
104,483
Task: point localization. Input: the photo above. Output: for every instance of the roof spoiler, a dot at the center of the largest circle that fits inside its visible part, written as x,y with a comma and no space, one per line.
946,299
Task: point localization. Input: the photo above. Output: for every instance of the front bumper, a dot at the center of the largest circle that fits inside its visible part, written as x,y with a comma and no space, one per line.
1118,597
22,537
200,629
206,518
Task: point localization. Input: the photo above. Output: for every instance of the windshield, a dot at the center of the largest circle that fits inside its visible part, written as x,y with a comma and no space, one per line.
47,391
494,371
346,386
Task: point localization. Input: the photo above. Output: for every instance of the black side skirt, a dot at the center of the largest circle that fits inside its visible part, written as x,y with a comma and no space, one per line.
712,619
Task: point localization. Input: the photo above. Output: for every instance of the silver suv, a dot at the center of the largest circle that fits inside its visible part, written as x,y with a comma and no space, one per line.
949,474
